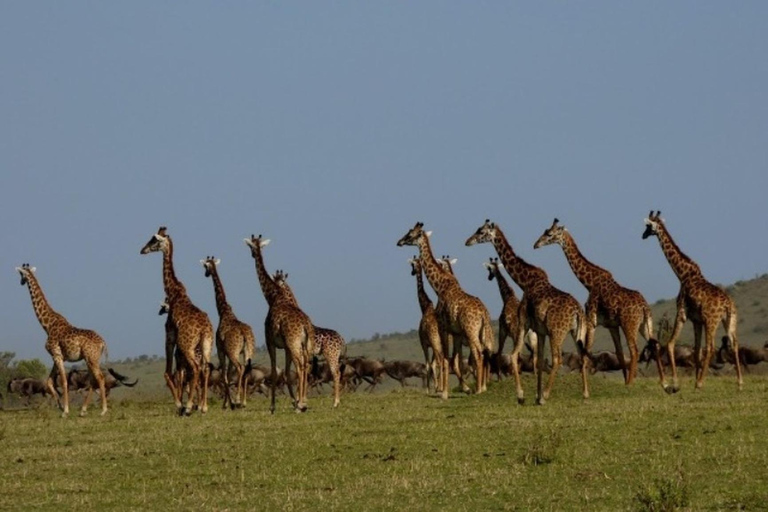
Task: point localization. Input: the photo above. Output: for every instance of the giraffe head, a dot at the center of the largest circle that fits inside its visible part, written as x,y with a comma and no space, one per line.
447,263
165,308
555,234
256,243
25,270
484,234
159,242
493,266
209,264
281,278
653,224
415,265
414,235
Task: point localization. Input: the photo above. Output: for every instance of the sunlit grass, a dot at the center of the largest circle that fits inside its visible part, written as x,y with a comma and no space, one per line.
624,449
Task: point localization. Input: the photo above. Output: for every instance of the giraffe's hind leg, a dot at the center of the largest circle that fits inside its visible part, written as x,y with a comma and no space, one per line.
730,328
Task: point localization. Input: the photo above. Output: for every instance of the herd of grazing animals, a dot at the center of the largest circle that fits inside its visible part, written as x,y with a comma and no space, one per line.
543,312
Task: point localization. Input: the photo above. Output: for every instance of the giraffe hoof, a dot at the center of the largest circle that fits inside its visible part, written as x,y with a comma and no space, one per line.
83,413
520,400
671,390
540,401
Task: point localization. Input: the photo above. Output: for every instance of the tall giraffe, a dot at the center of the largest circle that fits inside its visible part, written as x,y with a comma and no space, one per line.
192,329
65,343
609,304
429,330
544,309
286,327
701,301
233,337
508,318
328,342
465,317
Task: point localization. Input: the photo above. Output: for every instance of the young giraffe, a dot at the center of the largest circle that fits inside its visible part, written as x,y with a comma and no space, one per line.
233,337
192,329
65,343
429,331
544,309
328,343
465,317
508,317
609,304
286,327
701,301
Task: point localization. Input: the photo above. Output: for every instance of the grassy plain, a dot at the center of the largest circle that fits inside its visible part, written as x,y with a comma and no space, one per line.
623,449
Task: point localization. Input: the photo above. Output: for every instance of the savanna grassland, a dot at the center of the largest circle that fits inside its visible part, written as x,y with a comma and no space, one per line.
625,448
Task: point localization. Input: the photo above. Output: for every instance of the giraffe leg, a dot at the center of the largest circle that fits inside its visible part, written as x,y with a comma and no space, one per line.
730,329
333,366
50,385
709,333
519,342
556,348
447,342
679,321
288,380
456,358
194,375
425,350
697,353
273,379
616,337
503,333
539,369
169,374
64,386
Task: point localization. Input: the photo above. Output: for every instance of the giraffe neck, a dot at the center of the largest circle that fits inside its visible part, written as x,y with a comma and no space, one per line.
424,301
47,317
505,290
174,289
439,279
683,266
268,287
222,306
523,273
586,272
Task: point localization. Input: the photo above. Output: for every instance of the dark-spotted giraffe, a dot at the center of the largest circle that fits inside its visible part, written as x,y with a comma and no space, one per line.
704,303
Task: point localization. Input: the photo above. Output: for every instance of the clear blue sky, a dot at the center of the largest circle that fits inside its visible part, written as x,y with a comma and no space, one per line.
332,127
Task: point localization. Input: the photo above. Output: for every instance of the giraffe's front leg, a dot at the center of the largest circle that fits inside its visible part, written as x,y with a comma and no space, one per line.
680,319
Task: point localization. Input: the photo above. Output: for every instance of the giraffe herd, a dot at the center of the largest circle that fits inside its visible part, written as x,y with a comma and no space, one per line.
457,319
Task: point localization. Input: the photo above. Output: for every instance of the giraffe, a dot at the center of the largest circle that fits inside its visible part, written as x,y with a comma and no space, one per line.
609,304
701,301
192,330
429,330
328,343
508,317
65,343
465,317
233,337
286,327
544,309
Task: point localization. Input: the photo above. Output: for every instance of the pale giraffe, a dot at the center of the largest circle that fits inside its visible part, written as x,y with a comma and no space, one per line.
465,317
429,330
65,343
192,330
609,304
233,338
328,343
508,318
544,309
704,303
286,327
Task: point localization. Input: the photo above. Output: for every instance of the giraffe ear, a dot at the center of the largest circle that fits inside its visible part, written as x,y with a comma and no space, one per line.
453,261
428,233
264,242
202,262
217,261
488,265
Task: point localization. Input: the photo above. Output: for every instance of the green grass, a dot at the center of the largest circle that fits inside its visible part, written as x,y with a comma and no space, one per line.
623,449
